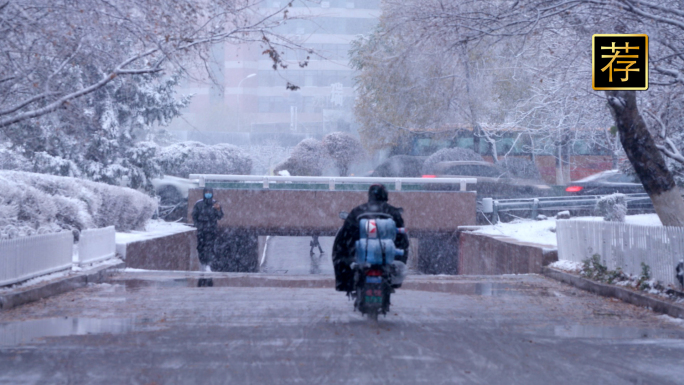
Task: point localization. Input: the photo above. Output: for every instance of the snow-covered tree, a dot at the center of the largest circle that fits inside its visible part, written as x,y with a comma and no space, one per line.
11,160
185,158
100,136
344,150
46,42
308,158
83,83
399,91
537,25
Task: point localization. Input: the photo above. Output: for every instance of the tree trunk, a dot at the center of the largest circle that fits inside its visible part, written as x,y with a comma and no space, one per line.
477,130
476,140
533,158
559,164
565,162
614,160
646,159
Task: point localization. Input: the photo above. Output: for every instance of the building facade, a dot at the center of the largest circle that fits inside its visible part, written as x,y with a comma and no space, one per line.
248,103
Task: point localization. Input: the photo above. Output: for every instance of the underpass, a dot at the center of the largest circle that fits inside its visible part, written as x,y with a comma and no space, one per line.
257,207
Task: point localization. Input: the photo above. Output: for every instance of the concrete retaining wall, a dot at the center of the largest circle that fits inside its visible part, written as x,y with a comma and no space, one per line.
308,212
171,252
480,254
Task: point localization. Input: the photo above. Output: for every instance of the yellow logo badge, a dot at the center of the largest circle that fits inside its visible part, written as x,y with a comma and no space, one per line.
619,62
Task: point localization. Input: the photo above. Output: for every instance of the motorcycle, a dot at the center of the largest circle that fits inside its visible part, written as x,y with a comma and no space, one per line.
373,265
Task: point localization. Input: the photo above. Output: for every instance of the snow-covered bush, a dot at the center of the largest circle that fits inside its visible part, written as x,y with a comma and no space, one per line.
45,163
185,158
308,158
344,150
12,160
450,154
612,207
265,157
37,203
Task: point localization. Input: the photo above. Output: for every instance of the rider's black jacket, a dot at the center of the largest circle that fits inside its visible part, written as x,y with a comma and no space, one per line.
344,247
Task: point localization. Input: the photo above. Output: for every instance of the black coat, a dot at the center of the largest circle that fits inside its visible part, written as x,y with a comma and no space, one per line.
344,247
205,216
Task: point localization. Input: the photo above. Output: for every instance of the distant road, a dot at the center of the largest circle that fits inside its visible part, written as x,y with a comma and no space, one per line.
290,255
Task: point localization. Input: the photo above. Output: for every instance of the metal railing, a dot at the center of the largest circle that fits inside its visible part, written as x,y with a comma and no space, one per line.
560,203
266,181
29,257
623,245
96,245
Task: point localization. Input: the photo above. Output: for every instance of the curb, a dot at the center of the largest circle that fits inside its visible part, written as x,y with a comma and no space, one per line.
34,293
618,292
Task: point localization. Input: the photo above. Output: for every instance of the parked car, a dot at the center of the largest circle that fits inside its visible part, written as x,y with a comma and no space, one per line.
173,196
172,189
492,181
605,183
400,166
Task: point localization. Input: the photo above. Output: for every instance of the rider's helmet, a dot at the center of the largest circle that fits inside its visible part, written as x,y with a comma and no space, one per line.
377,193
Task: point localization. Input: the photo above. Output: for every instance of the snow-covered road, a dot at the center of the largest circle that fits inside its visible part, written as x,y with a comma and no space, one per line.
144,328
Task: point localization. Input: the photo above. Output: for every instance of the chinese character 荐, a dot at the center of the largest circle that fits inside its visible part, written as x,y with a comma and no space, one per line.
616,55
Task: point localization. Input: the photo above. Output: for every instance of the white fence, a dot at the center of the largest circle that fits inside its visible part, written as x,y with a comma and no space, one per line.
95,245
622,245
29,257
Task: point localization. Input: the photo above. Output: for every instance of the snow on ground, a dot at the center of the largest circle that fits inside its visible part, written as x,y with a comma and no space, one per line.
153,229
524,230
639,219
544,232
673,320
570,266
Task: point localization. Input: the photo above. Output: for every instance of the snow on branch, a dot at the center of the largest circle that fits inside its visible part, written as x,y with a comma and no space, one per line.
56,51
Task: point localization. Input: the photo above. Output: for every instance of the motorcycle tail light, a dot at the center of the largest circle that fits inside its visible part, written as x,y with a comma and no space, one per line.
374,273
574,188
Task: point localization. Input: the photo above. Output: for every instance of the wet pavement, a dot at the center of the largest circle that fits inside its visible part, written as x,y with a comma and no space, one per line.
160,328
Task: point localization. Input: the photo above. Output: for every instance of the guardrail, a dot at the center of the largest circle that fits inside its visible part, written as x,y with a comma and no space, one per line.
96,245
25,258
330,181
623,245
29,257
494,206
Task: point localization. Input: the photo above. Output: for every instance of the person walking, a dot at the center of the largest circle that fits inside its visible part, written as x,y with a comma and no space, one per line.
205,215
314,243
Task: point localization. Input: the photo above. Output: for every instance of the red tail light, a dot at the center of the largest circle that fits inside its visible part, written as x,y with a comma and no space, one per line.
374,273
429,176
574,188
